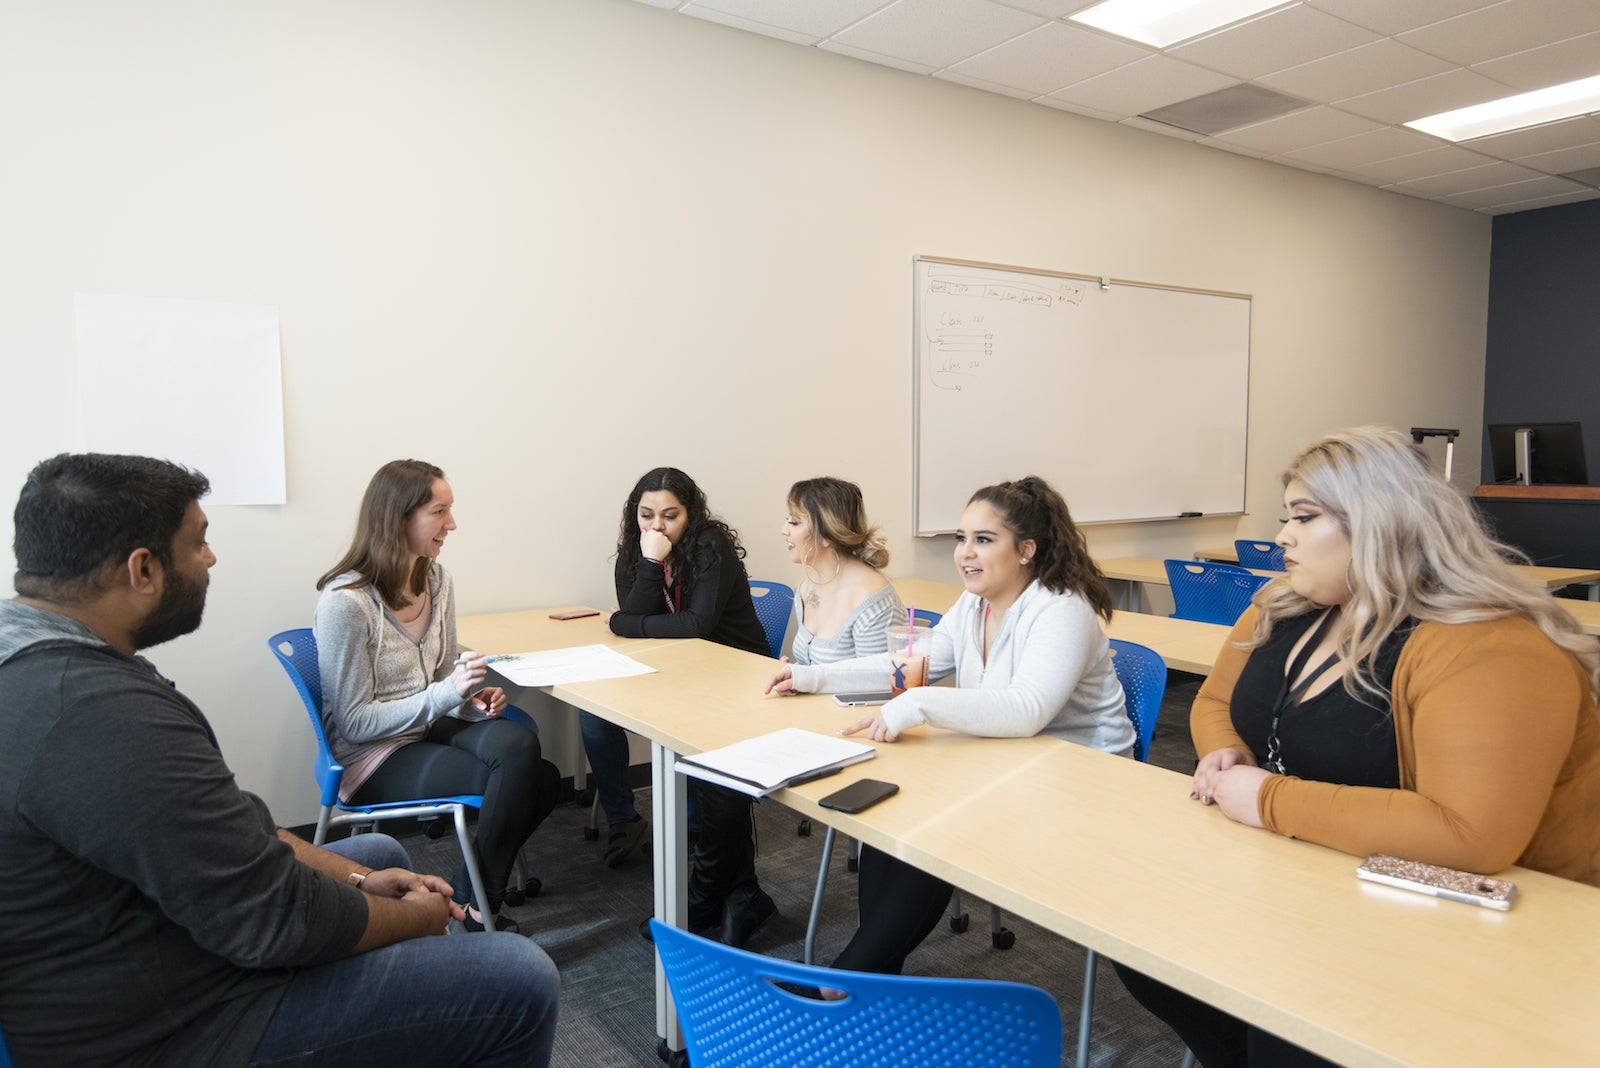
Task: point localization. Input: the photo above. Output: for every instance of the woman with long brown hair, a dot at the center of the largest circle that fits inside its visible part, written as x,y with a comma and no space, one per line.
404,714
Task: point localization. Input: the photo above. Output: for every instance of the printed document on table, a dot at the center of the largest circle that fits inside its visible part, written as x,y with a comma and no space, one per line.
557,667
758,766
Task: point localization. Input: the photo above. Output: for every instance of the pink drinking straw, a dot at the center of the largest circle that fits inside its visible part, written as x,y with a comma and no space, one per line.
911,631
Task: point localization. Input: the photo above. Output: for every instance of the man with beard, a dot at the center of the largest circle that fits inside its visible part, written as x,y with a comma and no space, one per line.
153,913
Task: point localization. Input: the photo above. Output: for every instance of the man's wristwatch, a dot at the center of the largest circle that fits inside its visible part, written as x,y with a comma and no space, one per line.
356,879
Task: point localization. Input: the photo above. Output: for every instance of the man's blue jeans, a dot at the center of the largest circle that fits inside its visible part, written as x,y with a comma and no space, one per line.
466,999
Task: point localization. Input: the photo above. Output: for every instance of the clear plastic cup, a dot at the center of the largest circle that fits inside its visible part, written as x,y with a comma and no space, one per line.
908,656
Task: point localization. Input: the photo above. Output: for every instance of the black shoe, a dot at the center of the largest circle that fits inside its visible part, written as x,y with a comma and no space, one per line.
700,919
501,923
743,917
625,839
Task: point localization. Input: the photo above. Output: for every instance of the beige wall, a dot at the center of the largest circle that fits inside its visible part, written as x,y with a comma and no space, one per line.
548,244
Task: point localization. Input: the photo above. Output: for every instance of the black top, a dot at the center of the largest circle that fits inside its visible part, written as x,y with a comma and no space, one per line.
1332,737
714,603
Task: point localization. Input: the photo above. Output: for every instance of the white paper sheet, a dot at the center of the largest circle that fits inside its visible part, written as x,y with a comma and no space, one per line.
196,382
554,667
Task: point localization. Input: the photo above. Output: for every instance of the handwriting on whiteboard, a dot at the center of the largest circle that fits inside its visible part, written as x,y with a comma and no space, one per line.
967,318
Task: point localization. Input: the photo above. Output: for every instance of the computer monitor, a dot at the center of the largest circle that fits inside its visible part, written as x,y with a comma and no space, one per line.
1554,455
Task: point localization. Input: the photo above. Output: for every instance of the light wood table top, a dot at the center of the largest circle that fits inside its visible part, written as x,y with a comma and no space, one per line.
1587,613
1184,644
1551,578
1112,854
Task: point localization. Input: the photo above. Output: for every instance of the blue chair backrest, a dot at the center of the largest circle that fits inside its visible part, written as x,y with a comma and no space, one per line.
774,604
5,1054
733,1015
1143,675
1261,555
296,650
926,617
1200,590
1239,589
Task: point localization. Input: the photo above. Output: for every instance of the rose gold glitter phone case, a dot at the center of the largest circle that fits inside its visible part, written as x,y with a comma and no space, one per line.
1435,881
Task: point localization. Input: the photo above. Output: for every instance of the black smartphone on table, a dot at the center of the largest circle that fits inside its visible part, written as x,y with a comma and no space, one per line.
859,795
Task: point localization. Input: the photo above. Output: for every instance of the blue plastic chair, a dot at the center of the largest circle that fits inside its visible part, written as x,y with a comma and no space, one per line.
1237,591
733,1015
296,650
5,1054
1261,555
774,605
923,617
1200,590
1143,675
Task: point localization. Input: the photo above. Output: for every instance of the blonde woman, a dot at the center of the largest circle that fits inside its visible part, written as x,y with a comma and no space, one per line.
1400,691
844,603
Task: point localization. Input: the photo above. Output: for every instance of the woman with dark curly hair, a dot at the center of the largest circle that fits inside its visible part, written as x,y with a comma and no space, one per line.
1029,657
680,574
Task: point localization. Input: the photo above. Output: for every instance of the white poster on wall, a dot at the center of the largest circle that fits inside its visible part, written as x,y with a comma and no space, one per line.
196,382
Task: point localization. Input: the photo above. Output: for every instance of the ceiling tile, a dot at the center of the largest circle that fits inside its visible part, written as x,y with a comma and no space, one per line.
1466,181
1300,164
1050,9
1511,192
1141,123
1397,16
1440,160
1543,202
1453,89
950,74
1238,150
1348,153
1583,130
1312,126
1152,82
1578,158
723,18
1079,109
1505,28
1050,57
875,57
1283,38
1363,69
813,18
1564,61
937,32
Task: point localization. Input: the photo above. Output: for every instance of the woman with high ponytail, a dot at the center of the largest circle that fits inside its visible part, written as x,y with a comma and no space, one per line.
1025,644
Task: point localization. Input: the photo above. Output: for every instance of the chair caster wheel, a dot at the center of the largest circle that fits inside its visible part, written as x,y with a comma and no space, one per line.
436,829
583,798
959,924
804,830
852,864
1004,938
533,886
591,834
674,1058
515,898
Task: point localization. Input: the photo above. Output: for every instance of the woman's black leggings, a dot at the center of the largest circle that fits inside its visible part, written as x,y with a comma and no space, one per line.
900,904
496,758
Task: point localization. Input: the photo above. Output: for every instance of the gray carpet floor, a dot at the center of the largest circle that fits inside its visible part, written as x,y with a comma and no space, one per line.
588,915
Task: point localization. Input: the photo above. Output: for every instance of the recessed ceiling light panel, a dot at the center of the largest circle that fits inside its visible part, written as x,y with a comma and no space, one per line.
1514,112
1164,22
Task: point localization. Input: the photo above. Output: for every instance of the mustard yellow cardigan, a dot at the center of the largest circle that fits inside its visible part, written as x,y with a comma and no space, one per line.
1499,750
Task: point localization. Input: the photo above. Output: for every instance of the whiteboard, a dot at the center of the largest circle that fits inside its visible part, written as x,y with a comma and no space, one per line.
1129,398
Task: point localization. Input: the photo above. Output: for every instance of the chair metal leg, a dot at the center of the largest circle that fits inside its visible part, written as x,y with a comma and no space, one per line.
591,830
816,898
479,897
958,919
1188,1058
1000,936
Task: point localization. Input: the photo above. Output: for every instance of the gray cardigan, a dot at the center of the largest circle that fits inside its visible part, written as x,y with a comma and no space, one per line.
381,687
